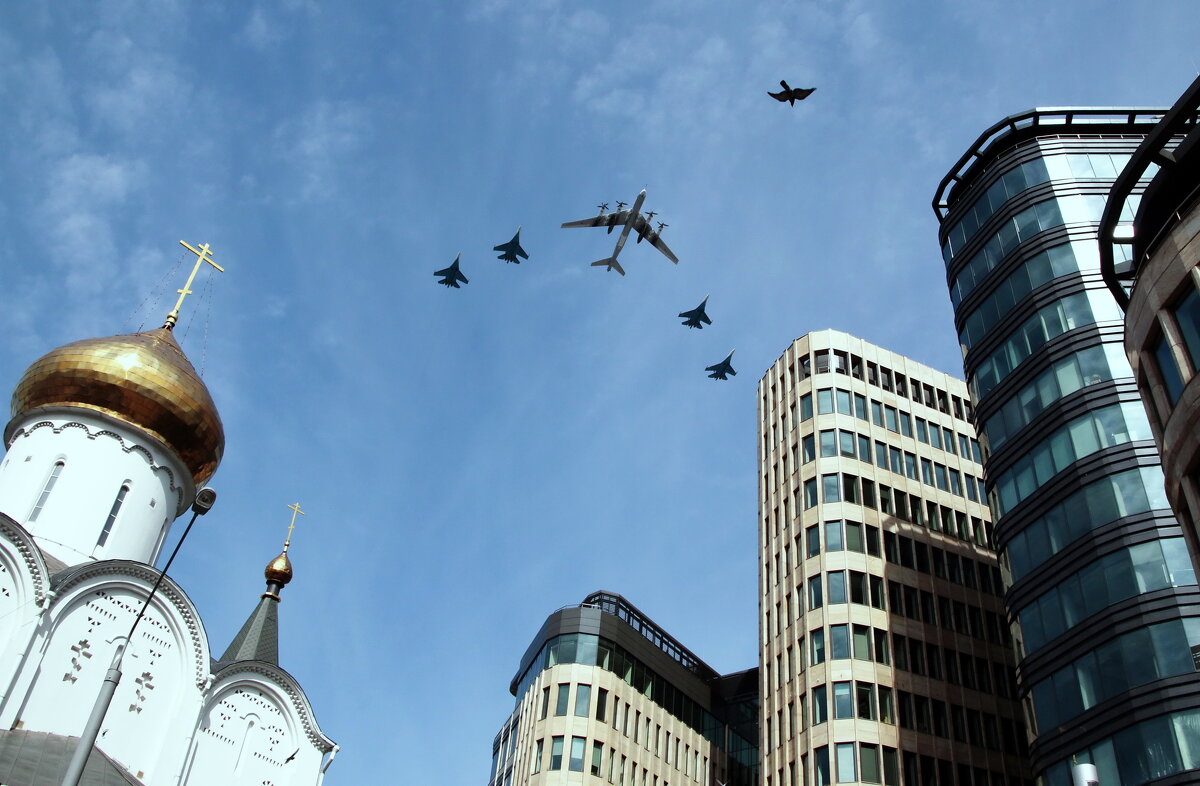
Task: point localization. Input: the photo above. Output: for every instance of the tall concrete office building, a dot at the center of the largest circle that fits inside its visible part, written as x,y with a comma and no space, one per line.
1101,590
884,651
605,695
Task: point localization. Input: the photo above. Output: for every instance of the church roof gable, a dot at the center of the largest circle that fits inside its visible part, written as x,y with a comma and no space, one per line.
259,637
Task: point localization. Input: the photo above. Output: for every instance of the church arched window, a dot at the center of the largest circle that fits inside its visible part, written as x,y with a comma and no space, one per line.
112,515
55,473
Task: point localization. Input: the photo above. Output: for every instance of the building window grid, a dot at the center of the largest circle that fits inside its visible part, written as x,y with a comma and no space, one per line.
813,546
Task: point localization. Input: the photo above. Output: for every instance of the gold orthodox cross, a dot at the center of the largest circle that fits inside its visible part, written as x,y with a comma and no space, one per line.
295,509
202,256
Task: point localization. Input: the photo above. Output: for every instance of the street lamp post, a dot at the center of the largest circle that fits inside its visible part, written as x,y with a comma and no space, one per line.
203,503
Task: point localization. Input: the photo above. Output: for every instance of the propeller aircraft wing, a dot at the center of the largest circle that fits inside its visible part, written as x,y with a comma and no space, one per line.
606,220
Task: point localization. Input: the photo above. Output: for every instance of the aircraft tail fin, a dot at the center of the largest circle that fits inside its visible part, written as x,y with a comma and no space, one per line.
611,263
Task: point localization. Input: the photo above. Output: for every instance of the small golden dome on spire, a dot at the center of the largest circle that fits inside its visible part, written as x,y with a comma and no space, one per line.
279,570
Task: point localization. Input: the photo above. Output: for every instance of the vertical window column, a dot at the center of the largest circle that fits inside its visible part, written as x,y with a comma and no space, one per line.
112,515
55,473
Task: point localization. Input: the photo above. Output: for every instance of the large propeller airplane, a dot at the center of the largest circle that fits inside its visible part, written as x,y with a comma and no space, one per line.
632,220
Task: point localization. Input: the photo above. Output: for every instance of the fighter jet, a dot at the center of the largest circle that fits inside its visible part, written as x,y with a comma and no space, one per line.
694,317
451,275
791,94
631,219
512,249
720,370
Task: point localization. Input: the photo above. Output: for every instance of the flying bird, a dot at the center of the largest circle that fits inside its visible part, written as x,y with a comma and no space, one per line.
720,370
791,94
512,249
452,275
694,317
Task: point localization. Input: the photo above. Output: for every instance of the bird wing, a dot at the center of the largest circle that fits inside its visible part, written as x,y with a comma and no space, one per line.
781,96
802,93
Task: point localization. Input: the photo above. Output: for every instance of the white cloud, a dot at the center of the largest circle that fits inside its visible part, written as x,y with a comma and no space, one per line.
135,103
275,307
34,87
261,32
84,196
317,144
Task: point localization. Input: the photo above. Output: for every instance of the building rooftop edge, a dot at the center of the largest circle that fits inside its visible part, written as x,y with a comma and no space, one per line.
632,617
1048,117
868,342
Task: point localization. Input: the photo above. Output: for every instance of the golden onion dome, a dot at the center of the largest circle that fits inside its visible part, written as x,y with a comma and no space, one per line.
143,379
279,570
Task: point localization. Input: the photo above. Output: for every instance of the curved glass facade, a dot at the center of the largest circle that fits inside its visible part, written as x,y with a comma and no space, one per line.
1089,366
1131,659
1153,749
1094,431
1091,507
1111,579
1080,159
1025,176
1050,321
1047,214
1054,262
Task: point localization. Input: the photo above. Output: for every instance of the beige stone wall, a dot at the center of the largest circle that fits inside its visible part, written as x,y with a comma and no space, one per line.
788,680
651,745
1165,276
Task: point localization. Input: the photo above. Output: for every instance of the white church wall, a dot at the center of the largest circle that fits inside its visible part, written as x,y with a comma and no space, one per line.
256,730
160,695
99,456
23,584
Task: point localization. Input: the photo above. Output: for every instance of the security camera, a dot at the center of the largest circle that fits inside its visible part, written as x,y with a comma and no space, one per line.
205,498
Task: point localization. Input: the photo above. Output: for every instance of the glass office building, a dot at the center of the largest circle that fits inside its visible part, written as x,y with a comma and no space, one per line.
1160,289
604,695
1101,592
884,651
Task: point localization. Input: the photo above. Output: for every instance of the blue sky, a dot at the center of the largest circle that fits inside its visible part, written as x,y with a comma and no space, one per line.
471,460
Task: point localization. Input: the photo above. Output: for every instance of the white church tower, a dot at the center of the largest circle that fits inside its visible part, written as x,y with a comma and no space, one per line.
108,442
